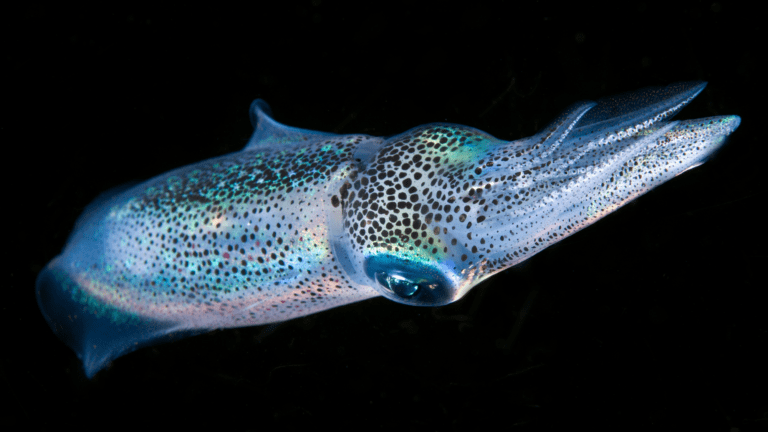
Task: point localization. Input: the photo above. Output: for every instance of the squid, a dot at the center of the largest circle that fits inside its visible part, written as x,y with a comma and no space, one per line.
301,221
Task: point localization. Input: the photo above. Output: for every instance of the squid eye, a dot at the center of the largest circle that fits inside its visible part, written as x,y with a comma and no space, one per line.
409,283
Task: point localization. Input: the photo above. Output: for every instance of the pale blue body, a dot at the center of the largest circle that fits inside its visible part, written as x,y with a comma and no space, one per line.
302,221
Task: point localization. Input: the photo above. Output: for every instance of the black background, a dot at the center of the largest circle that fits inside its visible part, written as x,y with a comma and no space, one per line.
653,319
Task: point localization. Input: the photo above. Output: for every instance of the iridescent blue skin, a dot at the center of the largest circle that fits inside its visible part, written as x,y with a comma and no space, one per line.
301,221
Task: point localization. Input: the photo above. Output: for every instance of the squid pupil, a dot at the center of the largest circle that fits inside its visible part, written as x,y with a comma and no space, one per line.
402,287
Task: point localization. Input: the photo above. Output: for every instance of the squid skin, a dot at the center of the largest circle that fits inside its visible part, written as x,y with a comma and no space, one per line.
302,221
